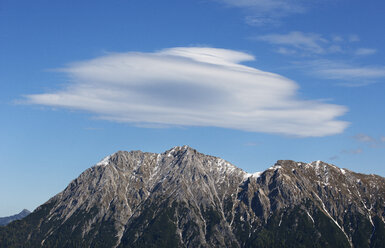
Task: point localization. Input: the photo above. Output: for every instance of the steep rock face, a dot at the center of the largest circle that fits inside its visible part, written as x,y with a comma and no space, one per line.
348,202
182,198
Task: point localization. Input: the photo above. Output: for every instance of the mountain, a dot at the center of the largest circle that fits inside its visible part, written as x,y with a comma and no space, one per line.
183,198
5,220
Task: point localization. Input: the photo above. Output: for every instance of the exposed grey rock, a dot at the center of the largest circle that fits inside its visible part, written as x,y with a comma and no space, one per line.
195,200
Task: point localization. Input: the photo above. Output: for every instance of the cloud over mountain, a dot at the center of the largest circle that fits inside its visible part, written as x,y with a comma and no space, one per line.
192,86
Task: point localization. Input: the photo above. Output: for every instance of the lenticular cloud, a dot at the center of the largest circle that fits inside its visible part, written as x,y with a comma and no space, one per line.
192,86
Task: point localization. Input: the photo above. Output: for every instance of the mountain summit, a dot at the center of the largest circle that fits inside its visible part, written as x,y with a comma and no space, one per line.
183,198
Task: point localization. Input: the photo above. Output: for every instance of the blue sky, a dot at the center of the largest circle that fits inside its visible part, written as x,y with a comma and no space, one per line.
251,81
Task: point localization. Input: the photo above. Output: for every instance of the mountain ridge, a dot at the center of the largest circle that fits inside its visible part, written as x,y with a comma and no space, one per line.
8,219
183,198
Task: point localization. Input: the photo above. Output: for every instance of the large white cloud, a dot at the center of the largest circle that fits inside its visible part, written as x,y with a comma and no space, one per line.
192,86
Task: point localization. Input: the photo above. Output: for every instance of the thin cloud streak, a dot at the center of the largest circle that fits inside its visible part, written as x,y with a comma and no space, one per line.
287,6
346,152
266,12
348,72
312,44
364,138
192,86
353,151
350,75
365,51
309,42
318,47
372,142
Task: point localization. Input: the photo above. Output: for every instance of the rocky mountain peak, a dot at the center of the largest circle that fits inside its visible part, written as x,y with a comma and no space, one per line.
25,212
179,150
189,199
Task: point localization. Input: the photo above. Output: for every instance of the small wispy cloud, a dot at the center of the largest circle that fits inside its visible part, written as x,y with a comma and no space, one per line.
345,38
337,38
306,44
297,41
259,21
335,157
192,86
266,12
352,151
93,128
365,51
349,74
353,38
371,141
345,152
286,51
250,144
317,53
286,6
364,138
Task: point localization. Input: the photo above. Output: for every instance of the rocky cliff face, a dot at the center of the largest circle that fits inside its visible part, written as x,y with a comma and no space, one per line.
182,198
